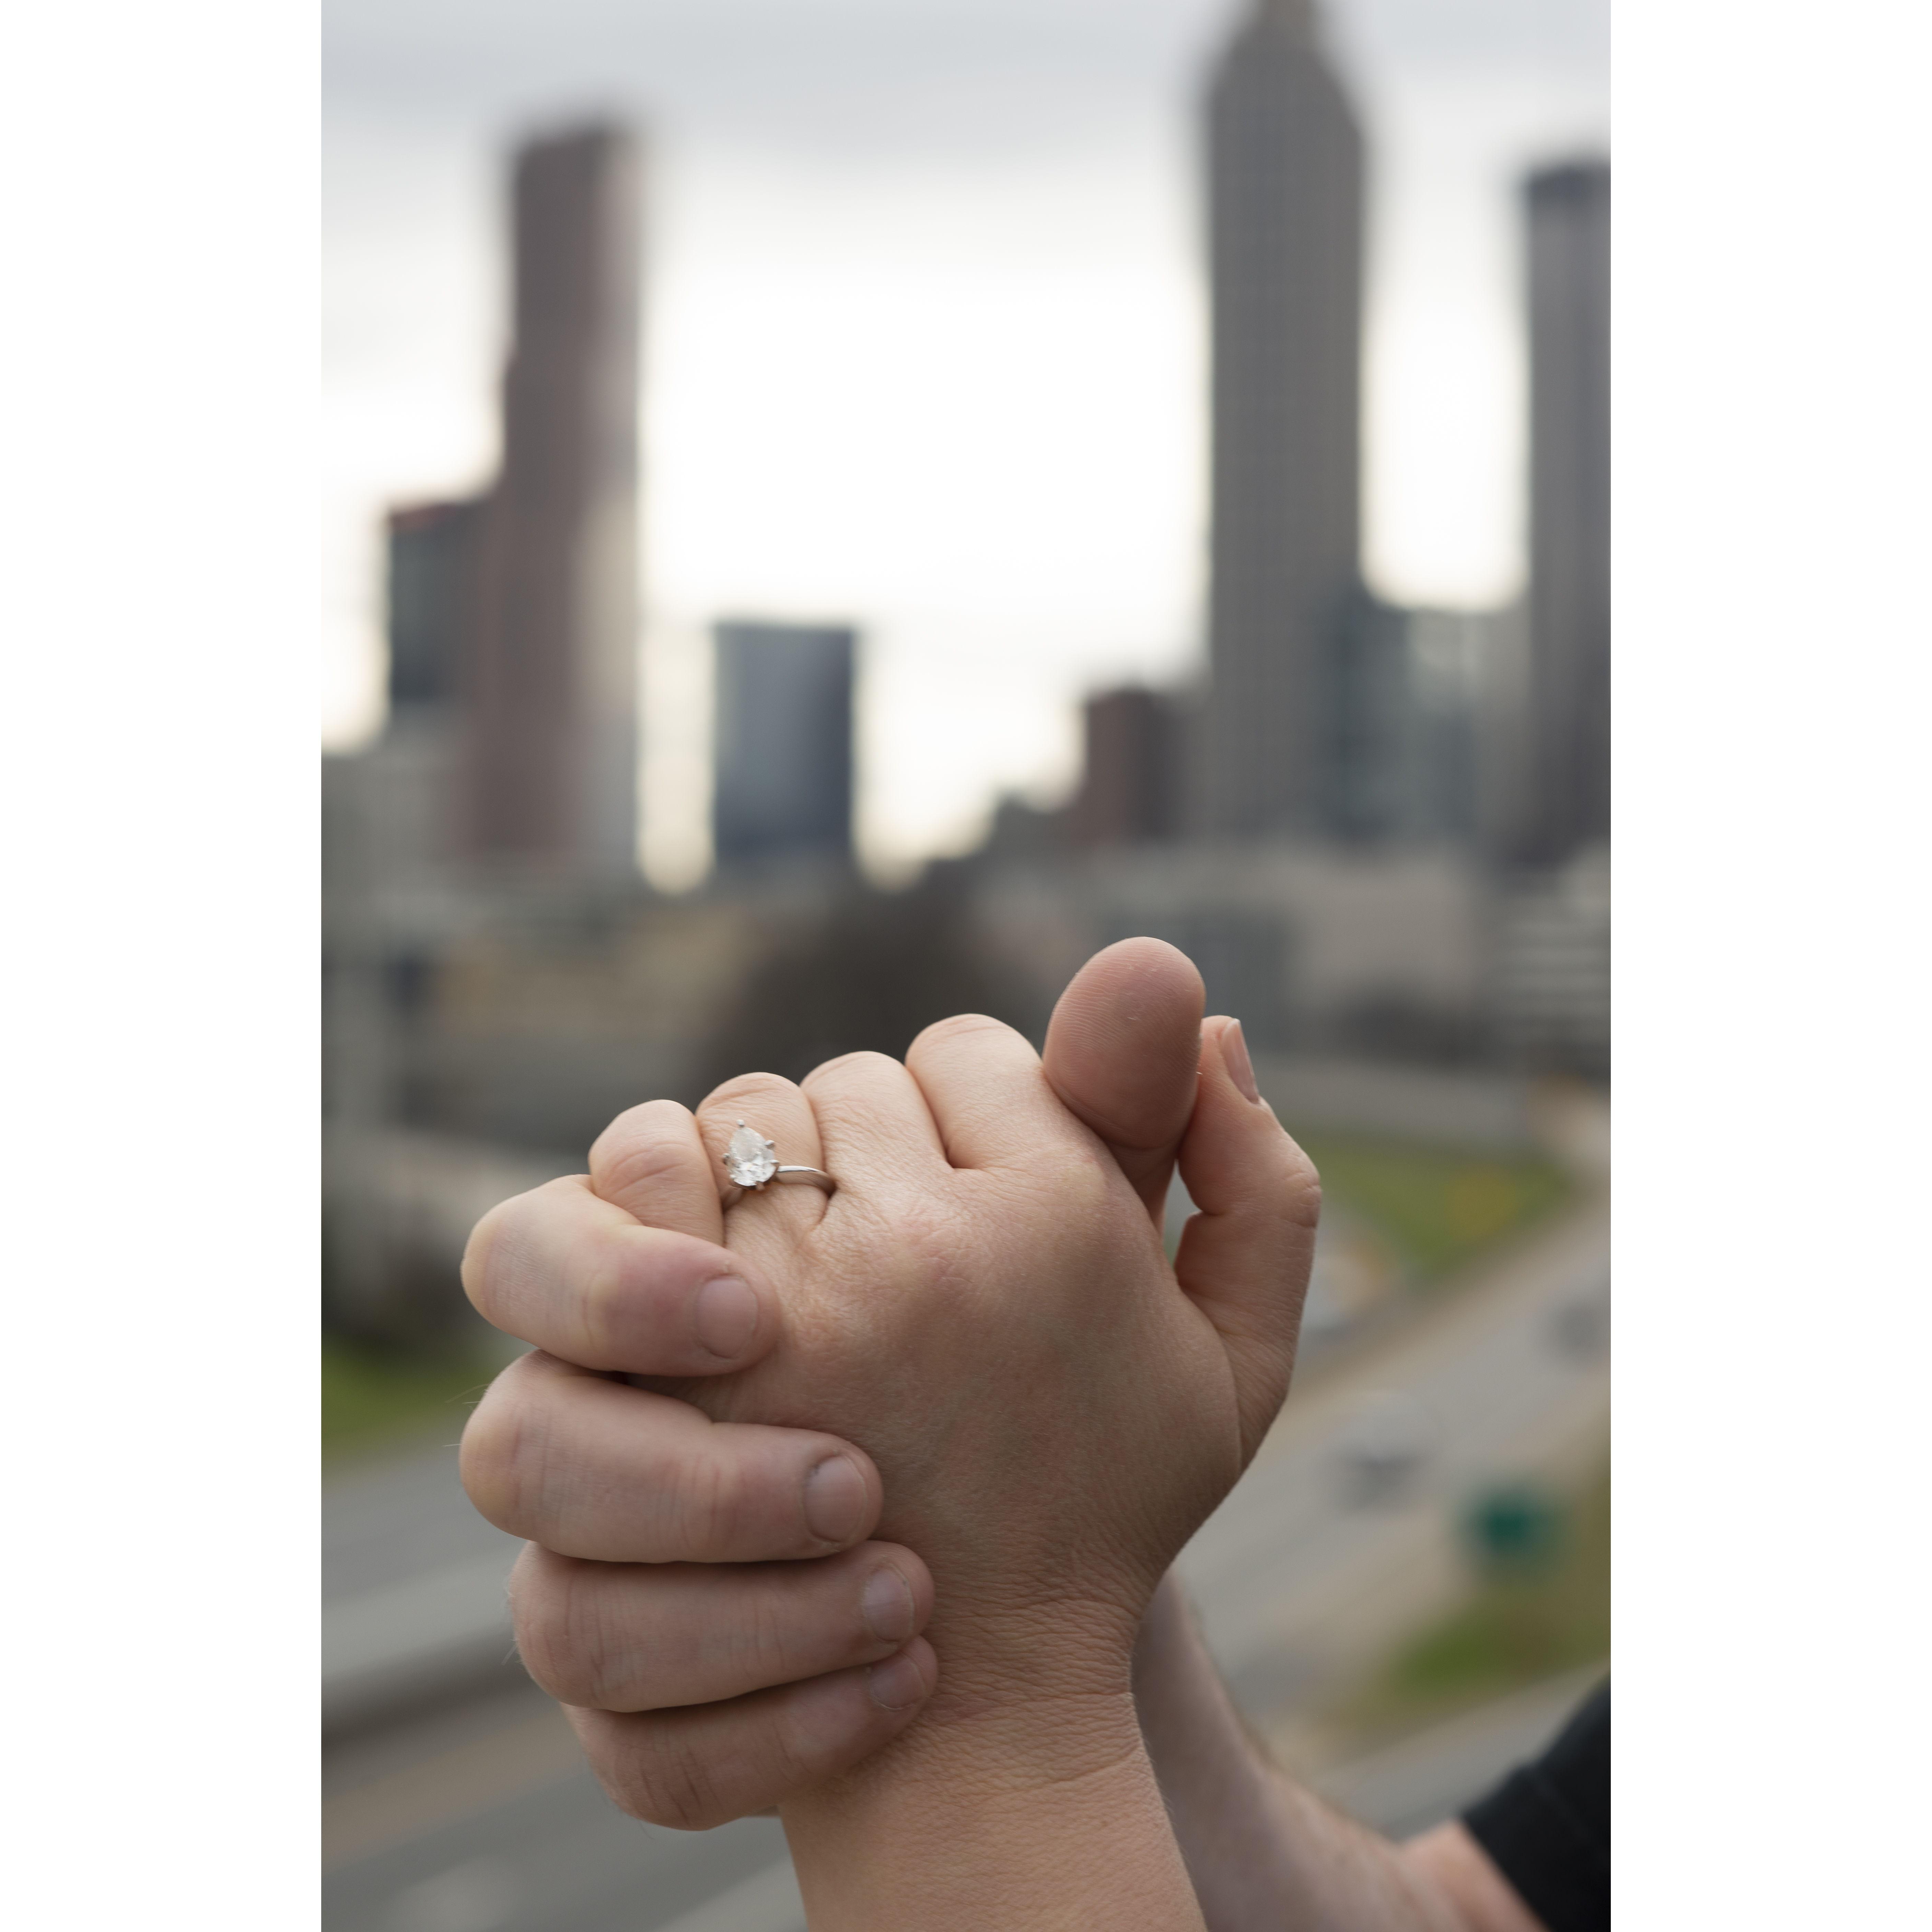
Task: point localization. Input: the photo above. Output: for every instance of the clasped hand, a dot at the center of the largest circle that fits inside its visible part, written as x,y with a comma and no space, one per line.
757,1453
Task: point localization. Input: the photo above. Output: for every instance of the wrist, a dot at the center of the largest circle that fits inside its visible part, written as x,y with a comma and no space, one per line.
1022,1666
1046,1815
1019,1744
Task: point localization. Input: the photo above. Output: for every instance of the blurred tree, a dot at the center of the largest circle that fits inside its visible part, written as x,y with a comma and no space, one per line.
867,974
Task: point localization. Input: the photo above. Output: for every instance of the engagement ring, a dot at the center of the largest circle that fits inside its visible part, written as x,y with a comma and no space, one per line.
752,1163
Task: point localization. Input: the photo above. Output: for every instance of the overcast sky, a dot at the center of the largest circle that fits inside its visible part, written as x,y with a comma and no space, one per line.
924,335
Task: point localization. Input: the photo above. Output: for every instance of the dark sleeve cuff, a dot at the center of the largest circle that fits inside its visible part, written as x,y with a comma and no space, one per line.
1547,1827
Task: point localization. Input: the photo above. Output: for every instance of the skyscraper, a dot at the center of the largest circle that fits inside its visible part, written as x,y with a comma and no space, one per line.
551,755
1567,214
1285,225
782,739
1131,772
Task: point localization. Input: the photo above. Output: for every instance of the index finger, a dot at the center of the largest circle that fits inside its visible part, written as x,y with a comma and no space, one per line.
581,1279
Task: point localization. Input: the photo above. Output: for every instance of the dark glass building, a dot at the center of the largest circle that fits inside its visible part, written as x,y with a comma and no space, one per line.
434,553
1567,211
782,743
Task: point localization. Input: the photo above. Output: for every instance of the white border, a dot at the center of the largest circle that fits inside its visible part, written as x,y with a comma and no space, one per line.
160,175
1773,334
1772,512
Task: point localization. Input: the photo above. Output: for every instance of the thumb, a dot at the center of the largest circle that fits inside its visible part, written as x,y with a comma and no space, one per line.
1121,1051
1244,1258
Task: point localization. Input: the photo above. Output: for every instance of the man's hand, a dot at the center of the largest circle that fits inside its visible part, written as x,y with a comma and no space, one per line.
715,1579
634,1480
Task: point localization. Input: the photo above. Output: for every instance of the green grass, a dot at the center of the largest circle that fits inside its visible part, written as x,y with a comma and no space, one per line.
1438,1208
1512,1632
369,1395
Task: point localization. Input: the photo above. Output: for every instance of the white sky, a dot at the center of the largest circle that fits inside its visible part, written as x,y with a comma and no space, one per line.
923,337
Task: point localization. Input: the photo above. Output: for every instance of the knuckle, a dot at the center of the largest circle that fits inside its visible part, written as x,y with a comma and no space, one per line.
652,1118
504,1455
960,1026
607,1295
775,1635
1093,1185
807,1740
637,1165
800,1756
744,1086
593,1649
502,1245
491,1449
769,1640
929,1235
1074,1179
1299,1186
557,1606
668,1782
479,1256
1307,1210
862,1061
540,1639
711,1501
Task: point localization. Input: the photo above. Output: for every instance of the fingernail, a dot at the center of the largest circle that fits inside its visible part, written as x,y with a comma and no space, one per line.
895,1683
1234,1057
834,1500
726,1316
886,1606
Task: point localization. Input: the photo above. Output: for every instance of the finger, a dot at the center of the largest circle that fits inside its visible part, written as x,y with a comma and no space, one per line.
874,1126
694,1769
986,1093
577,1276
1122,1052
766,1223
594,1468
651,1162
627,1637
1245,1257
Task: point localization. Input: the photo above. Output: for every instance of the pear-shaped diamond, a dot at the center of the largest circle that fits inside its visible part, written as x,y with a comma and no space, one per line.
750,1159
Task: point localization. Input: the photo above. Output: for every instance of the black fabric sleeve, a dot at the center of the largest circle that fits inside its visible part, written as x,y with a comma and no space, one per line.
1547,1827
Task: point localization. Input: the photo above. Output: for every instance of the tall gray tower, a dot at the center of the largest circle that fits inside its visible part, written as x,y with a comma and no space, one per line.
1284,223
1567,214
551,701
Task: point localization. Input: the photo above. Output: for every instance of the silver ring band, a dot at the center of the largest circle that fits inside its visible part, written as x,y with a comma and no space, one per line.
812,1176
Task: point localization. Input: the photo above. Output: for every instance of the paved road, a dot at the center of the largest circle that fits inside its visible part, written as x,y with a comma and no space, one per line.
501,1830
412,1583
479,1819
1333,1544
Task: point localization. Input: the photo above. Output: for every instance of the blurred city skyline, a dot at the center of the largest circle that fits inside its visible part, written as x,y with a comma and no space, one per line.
988,213
921,474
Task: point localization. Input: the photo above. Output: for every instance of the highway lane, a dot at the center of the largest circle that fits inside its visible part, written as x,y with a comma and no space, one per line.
1308,1569
556,1857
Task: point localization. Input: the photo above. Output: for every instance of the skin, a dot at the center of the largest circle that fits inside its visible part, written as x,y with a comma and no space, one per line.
1263,1851
984,1299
